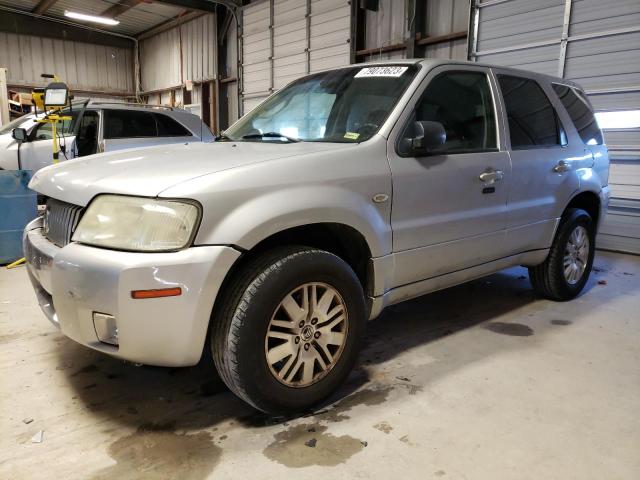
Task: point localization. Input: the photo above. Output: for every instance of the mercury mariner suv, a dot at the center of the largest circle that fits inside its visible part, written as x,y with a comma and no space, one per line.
347,191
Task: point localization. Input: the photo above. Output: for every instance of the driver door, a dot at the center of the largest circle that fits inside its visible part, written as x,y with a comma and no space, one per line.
446,218
37,152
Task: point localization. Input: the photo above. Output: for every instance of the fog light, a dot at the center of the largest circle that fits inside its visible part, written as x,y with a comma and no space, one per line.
106,328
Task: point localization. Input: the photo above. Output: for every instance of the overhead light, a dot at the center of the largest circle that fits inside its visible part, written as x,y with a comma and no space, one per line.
90,18
619,119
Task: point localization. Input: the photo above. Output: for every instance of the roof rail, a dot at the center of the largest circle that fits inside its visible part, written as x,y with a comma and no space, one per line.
130,104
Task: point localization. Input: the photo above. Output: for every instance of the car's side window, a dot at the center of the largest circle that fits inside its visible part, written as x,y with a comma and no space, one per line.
533,122
168,127
44,131
581,114
462,102
129,124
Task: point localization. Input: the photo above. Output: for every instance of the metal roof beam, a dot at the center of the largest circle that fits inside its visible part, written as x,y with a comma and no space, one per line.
43,6
202,5
119,8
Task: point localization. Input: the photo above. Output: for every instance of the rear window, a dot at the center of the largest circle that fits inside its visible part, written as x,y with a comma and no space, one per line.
581,114
168,127
533,121
129,124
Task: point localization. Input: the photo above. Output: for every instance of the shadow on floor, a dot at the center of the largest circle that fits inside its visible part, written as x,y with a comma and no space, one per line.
191,398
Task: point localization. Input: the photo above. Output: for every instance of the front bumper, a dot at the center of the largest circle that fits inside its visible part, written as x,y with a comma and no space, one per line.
73,282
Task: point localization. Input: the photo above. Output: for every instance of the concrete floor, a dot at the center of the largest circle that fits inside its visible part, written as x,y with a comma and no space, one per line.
479,381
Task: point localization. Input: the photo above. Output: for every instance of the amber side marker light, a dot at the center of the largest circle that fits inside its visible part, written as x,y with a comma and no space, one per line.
163,292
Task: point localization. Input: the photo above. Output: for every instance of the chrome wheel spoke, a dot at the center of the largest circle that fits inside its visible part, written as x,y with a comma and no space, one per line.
287,324
292,373
307,370
294,311
325,302
281,352
334,338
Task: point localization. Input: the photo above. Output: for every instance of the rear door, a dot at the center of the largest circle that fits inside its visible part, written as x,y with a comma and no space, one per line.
543,162
444,216
135,128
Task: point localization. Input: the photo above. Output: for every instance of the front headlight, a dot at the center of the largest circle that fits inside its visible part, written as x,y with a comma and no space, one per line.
138,224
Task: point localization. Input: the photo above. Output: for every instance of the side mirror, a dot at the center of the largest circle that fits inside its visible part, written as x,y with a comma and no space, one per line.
428,136
19,134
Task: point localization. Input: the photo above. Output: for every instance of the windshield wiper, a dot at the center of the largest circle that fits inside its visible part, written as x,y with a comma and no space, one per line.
270,135
223,137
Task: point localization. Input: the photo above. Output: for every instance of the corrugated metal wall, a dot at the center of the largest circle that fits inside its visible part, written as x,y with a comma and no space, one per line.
285,39
597,44
83,66
390,25
163,67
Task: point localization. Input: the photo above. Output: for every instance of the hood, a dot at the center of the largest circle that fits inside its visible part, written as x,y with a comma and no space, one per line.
150,170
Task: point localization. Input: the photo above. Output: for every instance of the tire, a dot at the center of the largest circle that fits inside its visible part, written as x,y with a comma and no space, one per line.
548,279
242,336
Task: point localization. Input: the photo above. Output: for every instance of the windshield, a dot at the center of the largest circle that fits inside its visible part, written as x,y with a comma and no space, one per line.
347,106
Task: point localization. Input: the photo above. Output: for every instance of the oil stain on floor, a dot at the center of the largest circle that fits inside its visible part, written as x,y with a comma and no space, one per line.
512,329
156,451
308,444
368,397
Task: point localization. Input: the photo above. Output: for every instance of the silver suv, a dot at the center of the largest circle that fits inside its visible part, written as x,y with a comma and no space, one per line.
96,127
345,192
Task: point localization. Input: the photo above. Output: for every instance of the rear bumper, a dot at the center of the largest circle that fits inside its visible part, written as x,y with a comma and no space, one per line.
73,282
604,205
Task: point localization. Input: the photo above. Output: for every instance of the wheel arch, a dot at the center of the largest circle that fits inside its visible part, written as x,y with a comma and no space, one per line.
340,239
588,201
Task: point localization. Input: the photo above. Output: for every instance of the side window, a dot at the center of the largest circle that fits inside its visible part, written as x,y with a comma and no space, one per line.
129,124
168,127
463,104
44,131
533,121
581,114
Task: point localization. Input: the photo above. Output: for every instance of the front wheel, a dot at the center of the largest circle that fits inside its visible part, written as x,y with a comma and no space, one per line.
289,330
564,273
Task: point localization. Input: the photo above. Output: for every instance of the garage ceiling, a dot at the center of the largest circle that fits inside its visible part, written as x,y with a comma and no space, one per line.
135,16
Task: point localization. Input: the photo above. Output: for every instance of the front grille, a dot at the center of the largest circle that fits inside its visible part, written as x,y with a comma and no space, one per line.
60,220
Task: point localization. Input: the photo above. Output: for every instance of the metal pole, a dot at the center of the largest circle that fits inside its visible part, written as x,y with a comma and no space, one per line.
563,39
474,19
308,25
271,54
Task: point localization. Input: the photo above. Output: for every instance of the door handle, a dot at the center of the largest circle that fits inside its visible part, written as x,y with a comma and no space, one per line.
562,167
491,176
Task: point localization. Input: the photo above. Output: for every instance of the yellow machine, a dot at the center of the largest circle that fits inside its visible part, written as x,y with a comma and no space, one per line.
53,98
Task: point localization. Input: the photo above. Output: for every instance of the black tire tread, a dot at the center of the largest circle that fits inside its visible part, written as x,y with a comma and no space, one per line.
228,321
542,276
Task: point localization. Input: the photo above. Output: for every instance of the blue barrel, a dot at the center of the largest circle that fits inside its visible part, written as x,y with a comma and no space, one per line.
18,206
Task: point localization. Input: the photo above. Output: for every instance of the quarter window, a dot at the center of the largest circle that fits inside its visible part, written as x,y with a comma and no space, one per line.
168,127
533,121
462,103
129,124
581,114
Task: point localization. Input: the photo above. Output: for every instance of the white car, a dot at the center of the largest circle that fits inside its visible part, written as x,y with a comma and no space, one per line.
96,127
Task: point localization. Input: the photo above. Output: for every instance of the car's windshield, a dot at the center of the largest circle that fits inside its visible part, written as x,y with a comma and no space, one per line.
347,105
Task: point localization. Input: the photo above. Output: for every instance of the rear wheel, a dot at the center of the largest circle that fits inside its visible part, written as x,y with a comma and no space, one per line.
564,273
289,330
